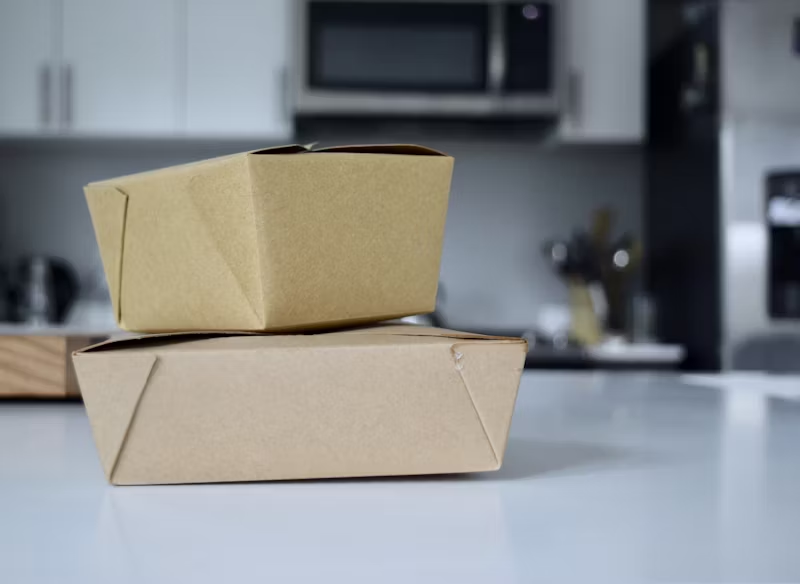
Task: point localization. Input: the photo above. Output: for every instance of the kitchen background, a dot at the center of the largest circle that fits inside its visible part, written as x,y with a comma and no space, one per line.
670,113
506,198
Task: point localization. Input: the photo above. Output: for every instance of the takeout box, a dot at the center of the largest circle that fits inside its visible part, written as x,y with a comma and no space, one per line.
385,400
273,240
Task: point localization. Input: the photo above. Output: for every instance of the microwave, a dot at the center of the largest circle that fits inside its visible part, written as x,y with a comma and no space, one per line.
423,58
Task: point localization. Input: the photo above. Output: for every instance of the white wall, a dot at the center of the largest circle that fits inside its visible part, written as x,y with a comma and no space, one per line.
505,201
507,197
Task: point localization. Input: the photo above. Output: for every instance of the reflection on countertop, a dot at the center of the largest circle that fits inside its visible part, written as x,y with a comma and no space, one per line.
607,477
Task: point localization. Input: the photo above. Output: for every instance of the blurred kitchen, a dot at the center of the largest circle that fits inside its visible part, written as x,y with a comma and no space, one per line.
627,182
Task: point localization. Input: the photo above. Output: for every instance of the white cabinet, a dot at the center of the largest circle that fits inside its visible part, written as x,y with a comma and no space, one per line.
606,54
761,73
144,68
236,68
120,67
27,57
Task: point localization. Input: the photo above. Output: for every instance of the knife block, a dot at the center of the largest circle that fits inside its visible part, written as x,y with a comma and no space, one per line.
585,327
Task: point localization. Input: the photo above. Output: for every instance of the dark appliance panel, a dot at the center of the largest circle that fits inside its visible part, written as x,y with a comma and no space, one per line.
783,222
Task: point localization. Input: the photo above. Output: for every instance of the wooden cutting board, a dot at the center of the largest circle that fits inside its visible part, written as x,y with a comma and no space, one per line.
39,366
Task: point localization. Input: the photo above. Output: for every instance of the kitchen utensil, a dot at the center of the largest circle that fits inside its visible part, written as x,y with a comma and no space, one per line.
38,303
583,256
557,254
585,324
620,264
598,271
44,290
602,223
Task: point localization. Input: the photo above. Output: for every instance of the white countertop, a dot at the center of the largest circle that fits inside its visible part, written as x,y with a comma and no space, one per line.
607,478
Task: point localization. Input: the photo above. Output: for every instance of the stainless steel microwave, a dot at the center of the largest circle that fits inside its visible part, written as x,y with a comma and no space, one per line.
428,58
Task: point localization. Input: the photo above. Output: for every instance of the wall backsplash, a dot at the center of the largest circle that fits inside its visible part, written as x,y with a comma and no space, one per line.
507,197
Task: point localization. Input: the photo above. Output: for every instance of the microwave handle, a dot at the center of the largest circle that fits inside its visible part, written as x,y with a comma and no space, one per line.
496,69
45,95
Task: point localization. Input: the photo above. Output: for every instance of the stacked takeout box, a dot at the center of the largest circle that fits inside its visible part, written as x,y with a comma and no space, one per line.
259,278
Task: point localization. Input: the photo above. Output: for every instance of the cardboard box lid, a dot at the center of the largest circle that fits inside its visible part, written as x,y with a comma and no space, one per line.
394,149
176,340
109,205
115,374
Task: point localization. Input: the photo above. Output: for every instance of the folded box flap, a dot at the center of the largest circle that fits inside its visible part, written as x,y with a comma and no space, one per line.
136,341
406,149
132,341
424,331
231,229
111,390
108,207
491,376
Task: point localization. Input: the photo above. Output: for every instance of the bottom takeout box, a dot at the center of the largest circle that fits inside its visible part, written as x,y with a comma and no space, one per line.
384,400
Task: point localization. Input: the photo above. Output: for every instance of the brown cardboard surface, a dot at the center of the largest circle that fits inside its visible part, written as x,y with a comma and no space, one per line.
278,239
385,400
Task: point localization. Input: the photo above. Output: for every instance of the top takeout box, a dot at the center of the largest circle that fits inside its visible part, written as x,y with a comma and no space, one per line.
279,239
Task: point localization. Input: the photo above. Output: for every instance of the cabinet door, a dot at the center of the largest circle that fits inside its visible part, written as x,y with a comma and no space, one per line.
606,56
120,72
236,66
26,65
761,57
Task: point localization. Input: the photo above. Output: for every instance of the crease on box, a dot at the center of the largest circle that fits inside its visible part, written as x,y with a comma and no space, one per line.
458,358
208,210
491,375
259,239
111,413
108,206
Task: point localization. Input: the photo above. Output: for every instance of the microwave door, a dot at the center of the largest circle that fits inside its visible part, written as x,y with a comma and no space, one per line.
386,57
419,58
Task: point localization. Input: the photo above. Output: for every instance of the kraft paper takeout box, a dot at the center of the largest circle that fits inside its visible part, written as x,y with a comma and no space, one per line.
278,239
386,400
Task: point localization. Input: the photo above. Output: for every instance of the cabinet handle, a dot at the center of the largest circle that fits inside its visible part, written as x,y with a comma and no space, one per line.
285,87
45,91
574,94
66,96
